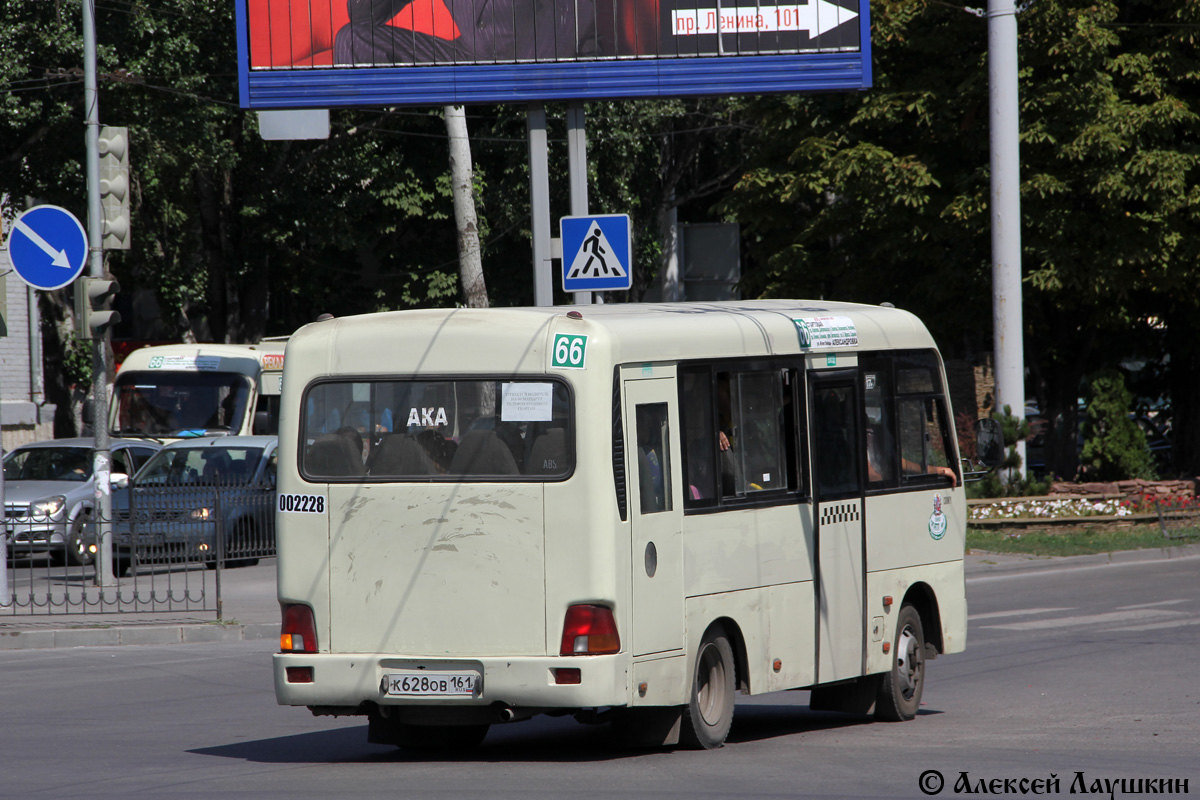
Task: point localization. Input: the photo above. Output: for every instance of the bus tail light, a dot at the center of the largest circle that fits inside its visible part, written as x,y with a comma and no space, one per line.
299,633
589,630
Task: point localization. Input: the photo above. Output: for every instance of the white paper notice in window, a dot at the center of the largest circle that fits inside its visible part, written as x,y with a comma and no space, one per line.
527,402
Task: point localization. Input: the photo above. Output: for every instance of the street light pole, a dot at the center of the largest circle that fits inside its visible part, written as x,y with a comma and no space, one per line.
1004,127
101,458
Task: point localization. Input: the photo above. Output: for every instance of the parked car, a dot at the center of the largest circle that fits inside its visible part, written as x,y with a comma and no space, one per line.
196,499
1157,440
49,492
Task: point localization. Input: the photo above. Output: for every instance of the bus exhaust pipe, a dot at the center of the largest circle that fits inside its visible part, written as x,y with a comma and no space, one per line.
507,714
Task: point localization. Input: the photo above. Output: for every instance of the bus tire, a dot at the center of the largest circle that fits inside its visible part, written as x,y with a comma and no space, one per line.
709,712
900,691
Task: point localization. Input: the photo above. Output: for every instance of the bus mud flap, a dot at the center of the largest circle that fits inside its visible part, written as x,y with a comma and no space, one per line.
647,727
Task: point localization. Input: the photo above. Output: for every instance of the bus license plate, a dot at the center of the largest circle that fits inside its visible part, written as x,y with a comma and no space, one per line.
431,684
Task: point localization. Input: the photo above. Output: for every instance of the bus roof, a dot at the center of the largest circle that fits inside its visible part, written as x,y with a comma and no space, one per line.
514,340
244,358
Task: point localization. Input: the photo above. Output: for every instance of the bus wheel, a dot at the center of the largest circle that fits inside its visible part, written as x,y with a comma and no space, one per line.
709,712
900,692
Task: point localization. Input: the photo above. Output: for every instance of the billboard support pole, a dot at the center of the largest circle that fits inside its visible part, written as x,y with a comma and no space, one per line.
577,172
539,205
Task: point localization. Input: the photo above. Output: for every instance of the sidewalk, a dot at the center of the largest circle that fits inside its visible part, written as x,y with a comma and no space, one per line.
250,609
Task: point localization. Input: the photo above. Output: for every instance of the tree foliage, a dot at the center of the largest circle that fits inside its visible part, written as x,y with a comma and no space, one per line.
881,195
885,195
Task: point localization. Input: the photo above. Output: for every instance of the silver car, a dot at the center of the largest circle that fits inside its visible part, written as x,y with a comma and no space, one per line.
49,494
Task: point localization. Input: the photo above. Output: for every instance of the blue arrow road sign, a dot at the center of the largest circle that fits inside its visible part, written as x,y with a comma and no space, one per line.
597,253
47,247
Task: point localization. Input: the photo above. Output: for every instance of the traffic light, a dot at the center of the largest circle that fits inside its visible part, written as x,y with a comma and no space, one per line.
92,317
114,186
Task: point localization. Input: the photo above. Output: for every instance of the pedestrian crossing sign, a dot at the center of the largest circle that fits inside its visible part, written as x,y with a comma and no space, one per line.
597,253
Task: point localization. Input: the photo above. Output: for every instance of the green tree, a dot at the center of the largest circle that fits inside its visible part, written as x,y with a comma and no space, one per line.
884,196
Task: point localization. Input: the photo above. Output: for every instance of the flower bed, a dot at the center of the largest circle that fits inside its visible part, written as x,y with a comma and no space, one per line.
1058,509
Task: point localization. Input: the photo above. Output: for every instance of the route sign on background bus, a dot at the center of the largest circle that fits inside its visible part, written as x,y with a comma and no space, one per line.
319,54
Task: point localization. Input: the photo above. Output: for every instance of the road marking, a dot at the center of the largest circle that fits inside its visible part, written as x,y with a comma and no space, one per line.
1089,619
1159,603
1024,612
1157,626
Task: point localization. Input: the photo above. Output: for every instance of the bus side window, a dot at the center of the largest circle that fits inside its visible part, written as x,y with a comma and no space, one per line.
700,439
653,458
880,424
925,443
833,430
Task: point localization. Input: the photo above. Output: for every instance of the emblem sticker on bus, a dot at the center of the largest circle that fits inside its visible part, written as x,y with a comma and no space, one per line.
937,520
302,503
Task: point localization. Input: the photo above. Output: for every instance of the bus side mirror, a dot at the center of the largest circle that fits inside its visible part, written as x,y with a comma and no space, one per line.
119,480
989,443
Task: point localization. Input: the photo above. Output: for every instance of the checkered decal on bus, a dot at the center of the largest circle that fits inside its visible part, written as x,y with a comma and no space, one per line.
842,512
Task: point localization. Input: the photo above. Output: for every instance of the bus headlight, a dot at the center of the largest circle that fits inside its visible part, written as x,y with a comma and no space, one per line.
200,514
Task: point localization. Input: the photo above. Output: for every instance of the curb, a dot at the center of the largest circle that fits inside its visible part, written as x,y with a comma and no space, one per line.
134,635
990,563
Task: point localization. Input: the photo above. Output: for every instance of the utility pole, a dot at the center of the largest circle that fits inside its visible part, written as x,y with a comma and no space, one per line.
1004,128
101,457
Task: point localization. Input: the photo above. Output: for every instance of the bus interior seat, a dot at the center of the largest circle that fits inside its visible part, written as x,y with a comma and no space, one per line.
332,454
439,449
481,452
399,454
548,456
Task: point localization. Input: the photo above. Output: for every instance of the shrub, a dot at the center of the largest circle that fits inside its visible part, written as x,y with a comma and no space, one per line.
1114,447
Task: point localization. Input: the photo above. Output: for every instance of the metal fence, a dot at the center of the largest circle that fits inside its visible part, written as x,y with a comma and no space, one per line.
1179,519
168,547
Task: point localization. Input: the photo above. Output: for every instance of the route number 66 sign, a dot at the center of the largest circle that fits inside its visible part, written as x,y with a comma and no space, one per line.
570,351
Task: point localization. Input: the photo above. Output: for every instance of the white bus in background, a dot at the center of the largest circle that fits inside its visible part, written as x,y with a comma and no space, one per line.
621,512
181,391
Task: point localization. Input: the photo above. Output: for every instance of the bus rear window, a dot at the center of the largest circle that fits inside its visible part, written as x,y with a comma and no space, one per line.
428,430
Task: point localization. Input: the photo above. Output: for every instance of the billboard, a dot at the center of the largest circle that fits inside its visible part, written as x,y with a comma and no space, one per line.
322,53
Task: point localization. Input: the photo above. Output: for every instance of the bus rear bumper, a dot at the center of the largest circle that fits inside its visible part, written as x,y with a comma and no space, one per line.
357,680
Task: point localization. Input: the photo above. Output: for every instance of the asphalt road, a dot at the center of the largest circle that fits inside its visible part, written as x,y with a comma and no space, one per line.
1080,670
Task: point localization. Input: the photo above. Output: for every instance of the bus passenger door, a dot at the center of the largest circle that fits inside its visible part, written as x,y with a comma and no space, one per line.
838,493
656,512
